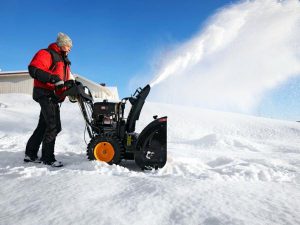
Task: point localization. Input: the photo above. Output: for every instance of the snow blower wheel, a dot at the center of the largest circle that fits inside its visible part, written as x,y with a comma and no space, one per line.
104,151
104,148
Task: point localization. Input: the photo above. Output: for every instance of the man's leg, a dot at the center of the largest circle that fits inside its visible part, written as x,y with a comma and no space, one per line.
36,138
51,115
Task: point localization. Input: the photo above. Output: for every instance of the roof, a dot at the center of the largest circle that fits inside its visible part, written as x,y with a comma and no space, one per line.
14,73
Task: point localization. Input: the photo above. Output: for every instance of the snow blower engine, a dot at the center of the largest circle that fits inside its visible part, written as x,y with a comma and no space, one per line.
113,136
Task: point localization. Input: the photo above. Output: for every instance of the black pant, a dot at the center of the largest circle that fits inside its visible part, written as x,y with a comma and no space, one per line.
47,129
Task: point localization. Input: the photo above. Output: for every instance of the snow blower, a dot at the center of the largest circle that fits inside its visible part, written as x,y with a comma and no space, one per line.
113,137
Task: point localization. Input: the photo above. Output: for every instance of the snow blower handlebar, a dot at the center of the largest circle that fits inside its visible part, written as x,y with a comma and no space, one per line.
77,90
82,94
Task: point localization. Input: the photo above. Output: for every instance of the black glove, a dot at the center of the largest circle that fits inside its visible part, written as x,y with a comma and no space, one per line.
59,84
70,83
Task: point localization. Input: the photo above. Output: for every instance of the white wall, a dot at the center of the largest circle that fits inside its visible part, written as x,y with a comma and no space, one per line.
16,84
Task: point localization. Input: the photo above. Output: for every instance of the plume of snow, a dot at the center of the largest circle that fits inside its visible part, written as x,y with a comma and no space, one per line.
244,50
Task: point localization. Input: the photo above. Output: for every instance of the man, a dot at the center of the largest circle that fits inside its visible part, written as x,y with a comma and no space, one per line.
50,69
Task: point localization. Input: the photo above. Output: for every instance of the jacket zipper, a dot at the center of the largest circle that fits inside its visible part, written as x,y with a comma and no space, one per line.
65,71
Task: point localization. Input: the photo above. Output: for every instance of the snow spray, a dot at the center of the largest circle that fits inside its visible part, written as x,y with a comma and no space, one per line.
244,50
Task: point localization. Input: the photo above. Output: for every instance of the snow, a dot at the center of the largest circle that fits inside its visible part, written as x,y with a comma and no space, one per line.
239,55
222,168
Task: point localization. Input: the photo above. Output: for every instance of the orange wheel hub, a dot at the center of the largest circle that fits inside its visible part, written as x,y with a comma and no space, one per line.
104,151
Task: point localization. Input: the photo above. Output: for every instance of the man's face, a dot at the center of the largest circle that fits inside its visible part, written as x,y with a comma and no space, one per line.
66,49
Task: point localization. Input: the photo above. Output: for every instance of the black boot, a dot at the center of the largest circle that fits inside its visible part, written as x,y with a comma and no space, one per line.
32,159
48,157
48,152
54,164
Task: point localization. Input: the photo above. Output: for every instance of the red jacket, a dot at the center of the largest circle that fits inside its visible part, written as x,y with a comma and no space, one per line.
43,60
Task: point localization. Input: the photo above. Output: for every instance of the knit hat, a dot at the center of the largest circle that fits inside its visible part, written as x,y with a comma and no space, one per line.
63,40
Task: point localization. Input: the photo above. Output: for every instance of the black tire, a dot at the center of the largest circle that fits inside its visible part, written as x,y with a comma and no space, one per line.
105,143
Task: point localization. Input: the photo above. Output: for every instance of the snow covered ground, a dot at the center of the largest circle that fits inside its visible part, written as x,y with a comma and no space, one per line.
222,168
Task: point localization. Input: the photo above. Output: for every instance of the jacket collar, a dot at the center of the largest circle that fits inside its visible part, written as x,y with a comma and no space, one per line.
54,47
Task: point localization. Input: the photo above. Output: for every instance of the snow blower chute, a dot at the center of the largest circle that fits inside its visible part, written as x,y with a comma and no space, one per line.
113,136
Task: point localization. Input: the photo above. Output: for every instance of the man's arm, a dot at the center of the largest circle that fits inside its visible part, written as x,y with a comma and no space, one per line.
39,68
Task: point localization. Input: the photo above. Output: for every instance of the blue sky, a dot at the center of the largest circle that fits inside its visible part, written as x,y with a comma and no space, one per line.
113,40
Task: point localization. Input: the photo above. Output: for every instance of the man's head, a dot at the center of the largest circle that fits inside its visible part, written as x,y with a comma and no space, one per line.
64,42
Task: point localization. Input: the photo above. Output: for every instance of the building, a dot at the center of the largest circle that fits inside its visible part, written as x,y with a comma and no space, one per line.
21,82
15,82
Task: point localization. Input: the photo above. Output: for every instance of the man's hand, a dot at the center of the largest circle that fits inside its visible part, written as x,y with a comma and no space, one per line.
70,83
54,79
59,84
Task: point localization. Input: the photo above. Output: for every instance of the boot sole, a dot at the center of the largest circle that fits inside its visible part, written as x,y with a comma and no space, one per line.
48,164
28,160
57,166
